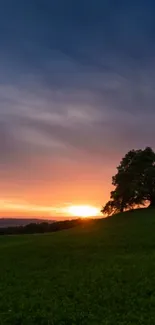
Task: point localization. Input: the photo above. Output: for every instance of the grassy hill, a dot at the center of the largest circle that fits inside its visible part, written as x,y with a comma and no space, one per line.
102,272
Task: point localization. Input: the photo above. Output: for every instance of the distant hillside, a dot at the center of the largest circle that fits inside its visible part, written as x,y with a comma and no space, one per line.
40,227
14,222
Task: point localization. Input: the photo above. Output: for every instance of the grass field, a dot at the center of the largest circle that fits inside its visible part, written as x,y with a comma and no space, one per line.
100,273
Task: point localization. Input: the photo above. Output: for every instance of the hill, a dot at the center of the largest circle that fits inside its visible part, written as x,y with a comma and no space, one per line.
40,227
16,222
101,272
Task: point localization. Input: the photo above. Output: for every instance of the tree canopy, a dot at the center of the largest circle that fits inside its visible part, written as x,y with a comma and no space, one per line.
134,182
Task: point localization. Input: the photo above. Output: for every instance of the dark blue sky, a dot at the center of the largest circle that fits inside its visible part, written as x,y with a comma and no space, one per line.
77,87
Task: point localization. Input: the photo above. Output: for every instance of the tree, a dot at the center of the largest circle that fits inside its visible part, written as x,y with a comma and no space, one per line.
134,182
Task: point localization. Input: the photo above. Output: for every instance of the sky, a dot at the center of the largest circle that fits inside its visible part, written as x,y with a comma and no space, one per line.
77,91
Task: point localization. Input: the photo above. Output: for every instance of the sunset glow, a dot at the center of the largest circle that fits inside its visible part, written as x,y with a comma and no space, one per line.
83,211
76,94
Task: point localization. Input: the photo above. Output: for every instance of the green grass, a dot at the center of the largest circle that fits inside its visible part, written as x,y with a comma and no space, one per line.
100,273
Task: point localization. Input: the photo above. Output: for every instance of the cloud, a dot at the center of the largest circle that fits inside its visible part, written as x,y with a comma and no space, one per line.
76,85
93,116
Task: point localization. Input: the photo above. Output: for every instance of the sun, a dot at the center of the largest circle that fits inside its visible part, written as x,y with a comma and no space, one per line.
83,211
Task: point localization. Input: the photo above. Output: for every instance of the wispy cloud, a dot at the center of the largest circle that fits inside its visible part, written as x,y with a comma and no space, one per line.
76,89
13,206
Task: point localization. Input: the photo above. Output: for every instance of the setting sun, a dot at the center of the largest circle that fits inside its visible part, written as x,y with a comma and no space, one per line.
83,211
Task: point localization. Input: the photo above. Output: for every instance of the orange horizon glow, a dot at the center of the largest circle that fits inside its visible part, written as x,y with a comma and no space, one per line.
83,211
12,208
46,194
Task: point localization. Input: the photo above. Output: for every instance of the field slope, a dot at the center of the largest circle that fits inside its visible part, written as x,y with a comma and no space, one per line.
102,272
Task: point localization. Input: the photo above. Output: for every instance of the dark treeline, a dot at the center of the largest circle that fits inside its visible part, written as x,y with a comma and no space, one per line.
43,227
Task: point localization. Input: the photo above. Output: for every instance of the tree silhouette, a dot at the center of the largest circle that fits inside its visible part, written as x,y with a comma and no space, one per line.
134,182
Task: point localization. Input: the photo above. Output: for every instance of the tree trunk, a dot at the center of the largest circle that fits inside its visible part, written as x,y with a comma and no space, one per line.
122,209
152,202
